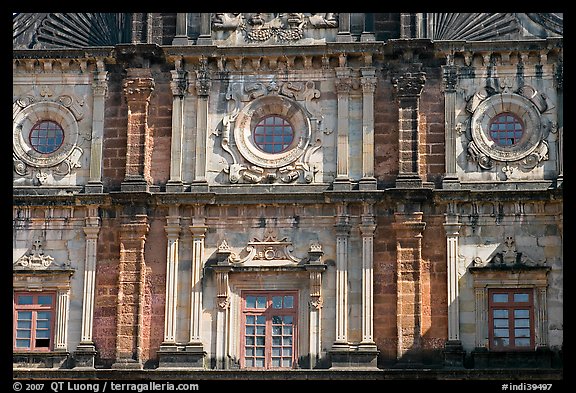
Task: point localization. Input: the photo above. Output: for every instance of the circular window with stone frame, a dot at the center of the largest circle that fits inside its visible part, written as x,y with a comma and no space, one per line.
506,127
44,134
272,131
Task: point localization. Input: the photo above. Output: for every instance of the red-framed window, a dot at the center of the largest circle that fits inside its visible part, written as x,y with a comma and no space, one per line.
506,129
511,319
273,134
269,329
34,321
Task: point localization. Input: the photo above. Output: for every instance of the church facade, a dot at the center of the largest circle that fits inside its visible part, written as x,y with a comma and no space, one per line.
287,191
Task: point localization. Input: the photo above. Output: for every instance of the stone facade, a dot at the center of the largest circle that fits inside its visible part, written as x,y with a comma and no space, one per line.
387,206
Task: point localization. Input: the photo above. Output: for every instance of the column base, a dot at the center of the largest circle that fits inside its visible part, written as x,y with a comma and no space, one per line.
177,356
199,186
84,356
454,354
408,181
368,183
94,188
136,185
342,184
174,186
127,364
356,356
451,183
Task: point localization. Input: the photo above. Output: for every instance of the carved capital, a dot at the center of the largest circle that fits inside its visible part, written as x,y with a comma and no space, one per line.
409,84
138,89
449,78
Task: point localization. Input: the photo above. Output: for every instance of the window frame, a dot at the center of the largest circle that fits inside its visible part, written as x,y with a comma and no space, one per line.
511,306
35,307
268,313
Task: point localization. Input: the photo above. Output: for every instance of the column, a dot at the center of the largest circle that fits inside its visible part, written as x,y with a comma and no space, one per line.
341,347
315,267
205,37
368,30
131,281
343,28
408,87
560,119
203,85
367,229
138,86
178,86
222,270
181,37
368,80
99,87
86,351
195,347
343,86
453,350
450,79
409,228
60,328
172,229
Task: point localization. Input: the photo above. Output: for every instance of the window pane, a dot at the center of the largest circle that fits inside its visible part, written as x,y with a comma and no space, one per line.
42,343
522,323
287,329
286,362
276,301
500,323
260,362
260,330
249,340
277,330
500,313
22,343
275,362
25,299
43,315
260,320
276,351
259,351
249,351
45,300
288,320
521,332
261,302
521,314
249,362
500,297
249,330
276,340
250,301
24,324
43,324
25,315
521,297
522,342
500,332
260,340
42,334
288,301
250,319
23,334
501,342
277,320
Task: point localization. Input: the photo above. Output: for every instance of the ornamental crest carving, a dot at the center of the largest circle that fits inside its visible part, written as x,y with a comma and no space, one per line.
271,28
271,131
36,259
46,139
507,256
508,127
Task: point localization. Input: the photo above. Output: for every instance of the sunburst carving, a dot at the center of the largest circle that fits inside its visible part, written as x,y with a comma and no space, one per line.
73,30
471,26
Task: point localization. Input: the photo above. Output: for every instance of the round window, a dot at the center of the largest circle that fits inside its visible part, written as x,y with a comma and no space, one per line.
506,129
46,137
273,134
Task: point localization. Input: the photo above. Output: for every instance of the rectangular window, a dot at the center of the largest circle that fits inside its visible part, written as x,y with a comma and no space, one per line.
269,329
34,321
511,319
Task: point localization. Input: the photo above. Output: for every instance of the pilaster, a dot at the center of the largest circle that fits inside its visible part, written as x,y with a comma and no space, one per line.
343,86
450,79
138,87
99,87
409,228
131,279
368,81
203,84
85,353
179,88
408,87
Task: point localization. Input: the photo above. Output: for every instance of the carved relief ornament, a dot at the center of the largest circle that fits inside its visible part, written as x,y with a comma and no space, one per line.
296,102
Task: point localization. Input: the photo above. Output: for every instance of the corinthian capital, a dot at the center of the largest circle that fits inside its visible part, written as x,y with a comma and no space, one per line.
409,84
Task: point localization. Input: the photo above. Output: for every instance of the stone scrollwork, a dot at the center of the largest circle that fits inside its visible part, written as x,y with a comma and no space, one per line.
65,110
36,259
249,102
528,105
